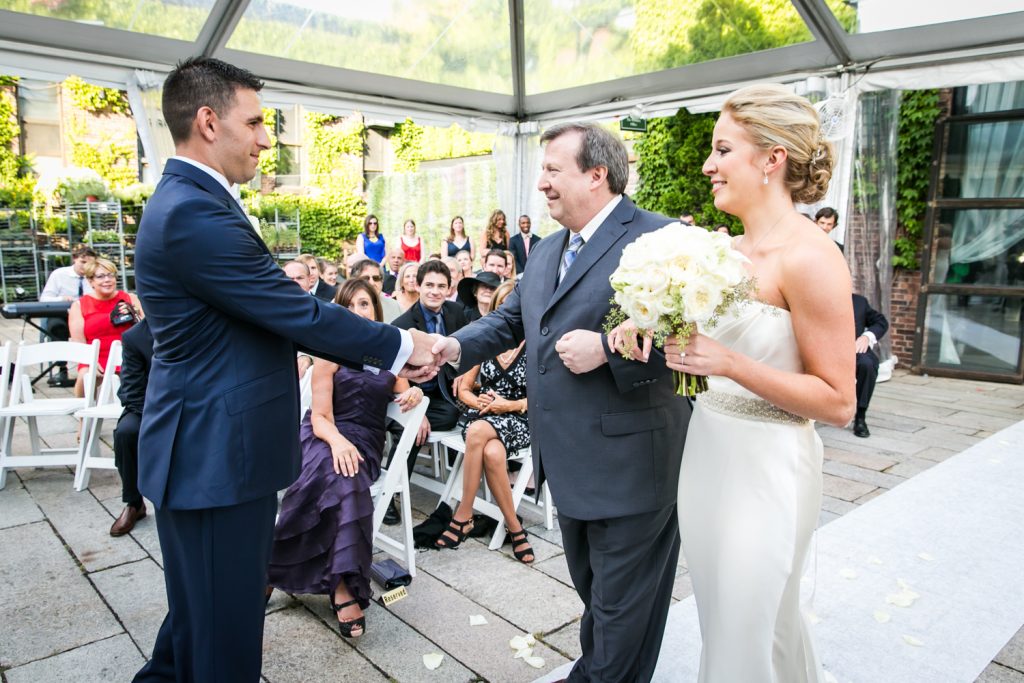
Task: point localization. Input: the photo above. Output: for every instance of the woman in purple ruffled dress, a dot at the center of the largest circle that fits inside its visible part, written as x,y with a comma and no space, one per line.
323,541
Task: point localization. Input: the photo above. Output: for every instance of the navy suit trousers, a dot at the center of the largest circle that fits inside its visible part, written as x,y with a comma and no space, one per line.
215,571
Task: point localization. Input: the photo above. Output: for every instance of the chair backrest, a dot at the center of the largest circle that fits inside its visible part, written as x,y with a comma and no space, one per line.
5,371
52,352
111,380
392,476
305,393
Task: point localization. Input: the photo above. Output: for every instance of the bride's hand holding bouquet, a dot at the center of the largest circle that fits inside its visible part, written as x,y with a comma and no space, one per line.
670,284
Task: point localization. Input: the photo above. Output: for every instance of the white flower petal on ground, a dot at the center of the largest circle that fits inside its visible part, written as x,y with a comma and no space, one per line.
535,662
848,573
530,640
874,560
477,620
518,643
911,640
881,617
524,653
926,557
812,617
432,660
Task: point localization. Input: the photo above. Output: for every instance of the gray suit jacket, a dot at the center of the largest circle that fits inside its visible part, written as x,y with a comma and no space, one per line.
609,442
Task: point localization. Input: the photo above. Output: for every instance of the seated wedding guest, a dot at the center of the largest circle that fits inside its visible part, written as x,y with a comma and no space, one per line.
371,272
456,270
317,287
495,235
465,260
105,314
298,272
323,537
328,271
522,243
370,243
827,219
67,283
496,426
435,314
395,260
436,256
496,262
137,345
723,228
406,293
475,293
457,239
412,245
686,218
510,266
870,326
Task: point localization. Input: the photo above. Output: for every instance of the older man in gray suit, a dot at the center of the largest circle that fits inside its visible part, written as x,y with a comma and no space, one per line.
607,433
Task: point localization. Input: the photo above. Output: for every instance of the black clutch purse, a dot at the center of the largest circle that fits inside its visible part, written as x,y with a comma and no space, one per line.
389,574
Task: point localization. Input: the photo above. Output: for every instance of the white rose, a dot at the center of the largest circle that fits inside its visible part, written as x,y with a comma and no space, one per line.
700,300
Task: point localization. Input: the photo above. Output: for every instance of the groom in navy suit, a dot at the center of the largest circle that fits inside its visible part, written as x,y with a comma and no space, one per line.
219,434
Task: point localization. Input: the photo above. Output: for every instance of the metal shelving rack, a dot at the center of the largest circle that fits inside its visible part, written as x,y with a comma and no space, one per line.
98,224
282,236
19,260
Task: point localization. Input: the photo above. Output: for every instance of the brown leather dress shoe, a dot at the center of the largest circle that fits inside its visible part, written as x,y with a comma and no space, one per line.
126,522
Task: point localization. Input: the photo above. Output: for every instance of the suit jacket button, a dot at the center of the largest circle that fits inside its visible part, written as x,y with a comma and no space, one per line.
541,369
544,330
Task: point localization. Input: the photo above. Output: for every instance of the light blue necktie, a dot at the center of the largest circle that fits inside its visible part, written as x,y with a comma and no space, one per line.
575,244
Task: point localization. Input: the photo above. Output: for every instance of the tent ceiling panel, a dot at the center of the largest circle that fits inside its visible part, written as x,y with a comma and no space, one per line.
520,58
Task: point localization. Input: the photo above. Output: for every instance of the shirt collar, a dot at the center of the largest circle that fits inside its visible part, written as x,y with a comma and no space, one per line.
591,227
427,313
233,190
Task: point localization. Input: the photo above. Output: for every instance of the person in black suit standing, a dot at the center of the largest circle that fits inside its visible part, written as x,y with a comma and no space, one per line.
137,345
220,429
870,326
317,287
522,243
606,433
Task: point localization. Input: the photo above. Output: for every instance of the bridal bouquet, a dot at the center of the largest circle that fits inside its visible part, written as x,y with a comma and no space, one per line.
674,281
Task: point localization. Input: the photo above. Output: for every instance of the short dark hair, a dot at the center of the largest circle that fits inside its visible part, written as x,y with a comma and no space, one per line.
347,291
83,250
433,266
359,266
827,212
599,147
496,252
202,82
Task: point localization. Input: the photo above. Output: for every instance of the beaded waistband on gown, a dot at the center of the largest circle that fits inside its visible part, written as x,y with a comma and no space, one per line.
747,408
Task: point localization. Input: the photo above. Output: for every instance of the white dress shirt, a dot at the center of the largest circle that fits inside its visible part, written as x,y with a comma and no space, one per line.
63,284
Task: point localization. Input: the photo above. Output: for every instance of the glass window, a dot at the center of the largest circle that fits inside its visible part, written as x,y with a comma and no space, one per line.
181,19
990,97
984,161
973,333
868,16
570,43
465,44
979,247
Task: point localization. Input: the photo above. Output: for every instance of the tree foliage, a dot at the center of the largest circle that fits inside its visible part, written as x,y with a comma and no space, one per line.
96,99
919,110
670,157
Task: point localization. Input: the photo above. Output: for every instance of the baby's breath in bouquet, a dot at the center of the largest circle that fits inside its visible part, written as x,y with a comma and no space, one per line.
676,281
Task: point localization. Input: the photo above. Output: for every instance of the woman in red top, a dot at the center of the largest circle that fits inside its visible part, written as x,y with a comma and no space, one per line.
90,317
412,245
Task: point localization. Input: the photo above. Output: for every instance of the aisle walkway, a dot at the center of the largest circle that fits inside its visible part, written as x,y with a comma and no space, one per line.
78,605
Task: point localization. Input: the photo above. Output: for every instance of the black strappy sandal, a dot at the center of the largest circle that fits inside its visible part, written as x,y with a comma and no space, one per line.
458,530
346,627
518,539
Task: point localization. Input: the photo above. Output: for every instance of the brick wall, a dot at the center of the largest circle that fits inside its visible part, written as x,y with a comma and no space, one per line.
906,285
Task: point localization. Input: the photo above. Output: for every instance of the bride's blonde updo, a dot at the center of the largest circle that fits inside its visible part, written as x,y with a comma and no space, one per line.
773,116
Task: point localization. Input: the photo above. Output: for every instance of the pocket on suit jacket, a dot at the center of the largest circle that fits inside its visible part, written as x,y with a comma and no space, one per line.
647,420
257,392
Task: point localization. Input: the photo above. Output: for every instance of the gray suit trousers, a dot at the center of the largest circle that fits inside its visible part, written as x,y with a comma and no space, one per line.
626,600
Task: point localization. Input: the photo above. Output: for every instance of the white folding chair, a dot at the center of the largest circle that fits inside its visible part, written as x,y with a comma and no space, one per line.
394,480
108,407
5,371
453,489
24,404
305,393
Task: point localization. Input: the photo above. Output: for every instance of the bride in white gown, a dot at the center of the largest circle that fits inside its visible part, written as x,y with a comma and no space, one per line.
750,483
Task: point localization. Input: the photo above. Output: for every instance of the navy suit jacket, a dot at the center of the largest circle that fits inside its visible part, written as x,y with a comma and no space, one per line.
608,441
221,420
518,248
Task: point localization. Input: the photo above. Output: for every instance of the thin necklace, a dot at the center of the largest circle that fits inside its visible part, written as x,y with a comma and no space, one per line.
767,232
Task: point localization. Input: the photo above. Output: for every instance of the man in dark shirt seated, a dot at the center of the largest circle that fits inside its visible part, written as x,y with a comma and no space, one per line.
138,356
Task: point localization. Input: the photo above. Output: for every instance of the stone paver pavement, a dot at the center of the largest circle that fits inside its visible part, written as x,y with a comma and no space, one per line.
76,604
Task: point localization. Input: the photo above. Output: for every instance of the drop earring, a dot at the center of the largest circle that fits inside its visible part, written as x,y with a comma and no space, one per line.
765,182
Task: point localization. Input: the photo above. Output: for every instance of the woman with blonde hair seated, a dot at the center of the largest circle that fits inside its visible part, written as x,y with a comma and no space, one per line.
406,289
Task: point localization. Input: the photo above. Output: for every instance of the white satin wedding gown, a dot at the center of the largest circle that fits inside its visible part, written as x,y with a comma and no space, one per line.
749,494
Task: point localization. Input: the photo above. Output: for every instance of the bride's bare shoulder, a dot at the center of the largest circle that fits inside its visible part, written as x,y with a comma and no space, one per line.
812,259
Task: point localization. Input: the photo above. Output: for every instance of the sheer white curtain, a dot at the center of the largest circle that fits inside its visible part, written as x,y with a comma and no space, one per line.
144,95
517,155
